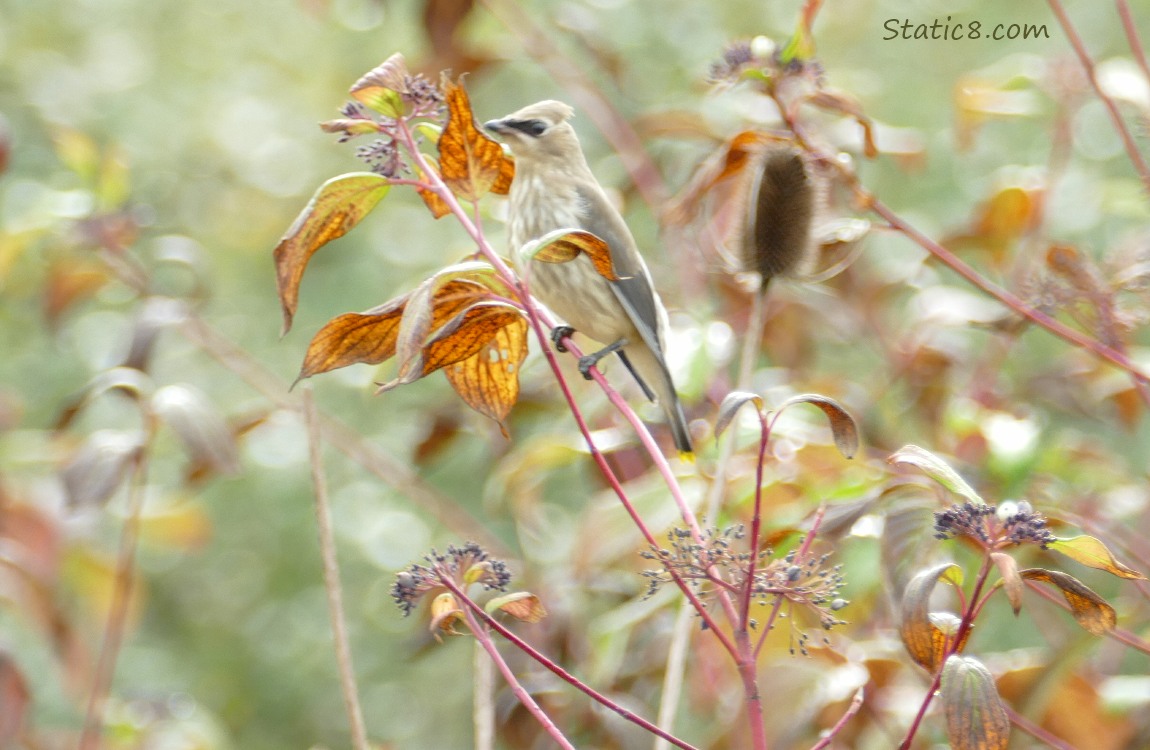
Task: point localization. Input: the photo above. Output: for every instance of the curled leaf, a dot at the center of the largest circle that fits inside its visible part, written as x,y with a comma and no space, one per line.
563,245
843,427
1093,553
935,468
445,612
522,605
925,641
100,466
1011,581
205,434
382,87
975,716
731,405
335,208
1090,610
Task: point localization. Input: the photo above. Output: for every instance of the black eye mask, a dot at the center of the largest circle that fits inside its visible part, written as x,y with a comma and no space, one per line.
534,128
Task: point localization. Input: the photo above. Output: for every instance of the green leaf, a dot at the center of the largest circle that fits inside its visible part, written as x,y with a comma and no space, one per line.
935,468
338,205
975,716
1093,553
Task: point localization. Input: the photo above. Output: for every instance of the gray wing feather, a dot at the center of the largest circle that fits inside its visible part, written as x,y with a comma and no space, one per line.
633,289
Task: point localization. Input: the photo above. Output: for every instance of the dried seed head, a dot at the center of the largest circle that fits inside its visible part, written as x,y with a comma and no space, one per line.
780,214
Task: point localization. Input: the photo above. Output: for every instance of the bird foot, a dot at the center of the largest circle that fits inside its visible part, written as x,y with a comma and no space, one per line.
558,333
587,361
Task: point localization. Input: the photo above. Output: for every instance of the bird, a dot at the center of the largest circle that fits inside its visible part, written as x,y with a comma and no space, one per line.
553,189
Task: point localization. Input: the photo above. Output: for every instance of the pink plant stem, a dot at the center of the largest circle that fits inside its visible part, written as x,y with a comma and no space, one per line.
547,663
804,548
1127,137
1124,637
1007,298
756,522
1036,731
92,732
521,693
852,709
1132,37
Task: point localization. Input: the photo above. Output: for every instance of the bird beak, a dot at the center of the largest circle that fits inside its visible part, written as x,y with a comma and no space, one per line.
496,126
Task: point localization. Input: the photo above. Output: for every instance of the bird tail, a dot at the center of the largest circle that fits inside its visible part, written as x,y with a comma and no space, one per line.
651,371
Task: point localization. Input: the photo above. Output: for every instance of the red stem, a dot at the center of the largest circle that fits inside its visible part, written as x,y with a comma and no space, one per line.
520,692
555,669
1128,141
1132,37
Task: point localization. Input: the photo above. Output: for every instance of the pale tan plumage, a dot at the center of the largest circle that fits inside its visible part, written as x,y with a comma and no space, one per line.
554,189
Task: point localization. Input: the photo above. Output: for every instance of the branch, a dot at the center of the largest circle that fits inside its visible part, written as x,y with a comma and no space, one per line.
331,577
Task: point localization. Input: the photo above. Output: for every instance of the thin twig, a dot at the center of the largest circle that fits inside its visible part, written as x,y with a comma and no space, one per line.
90,736
521,693
331,576
1035,731
1132,37
681,634
1124,133
852,709
484,700
551,666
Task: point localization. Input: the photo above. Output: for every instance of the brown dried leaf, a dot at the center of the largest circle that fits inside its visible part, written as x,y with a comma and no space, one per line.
471,163
843,427
488,381
206,436
727,161
1089,609
731,405
338,205
975,716
844,104
100,467
1011,581
381,88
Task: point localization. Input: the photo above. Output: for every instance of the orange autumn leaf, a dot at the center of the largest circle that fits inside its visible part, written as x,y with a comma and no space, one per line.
371,337
564,245
488,381
470,163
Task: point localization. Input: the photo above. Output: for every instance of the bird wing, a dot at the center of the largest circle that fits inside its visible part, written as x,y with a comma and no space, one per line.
633,288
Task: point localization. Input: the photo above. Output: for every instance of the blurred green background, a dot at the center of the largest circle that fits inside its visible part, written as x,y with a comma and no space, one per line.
188,133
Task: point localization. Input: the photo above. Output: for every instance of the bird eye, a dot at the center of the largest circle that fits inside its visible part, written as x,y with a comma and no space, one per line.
533,128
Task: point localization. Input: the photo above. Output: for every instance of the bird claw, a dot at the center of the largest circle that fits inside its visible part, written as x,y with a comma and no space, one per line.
558,333
586,362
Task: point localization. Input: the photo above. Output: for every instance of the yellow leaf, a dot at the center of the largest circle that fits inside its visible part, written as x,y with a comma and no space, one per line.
1093,553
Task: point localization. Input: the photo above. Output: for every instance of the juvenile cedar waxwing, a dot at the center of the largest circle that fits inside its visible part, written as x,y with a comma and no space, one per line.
554,189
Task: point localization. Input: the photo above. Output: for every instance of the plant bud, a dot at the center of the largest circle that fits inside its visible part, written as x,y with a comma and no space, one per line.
780,214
